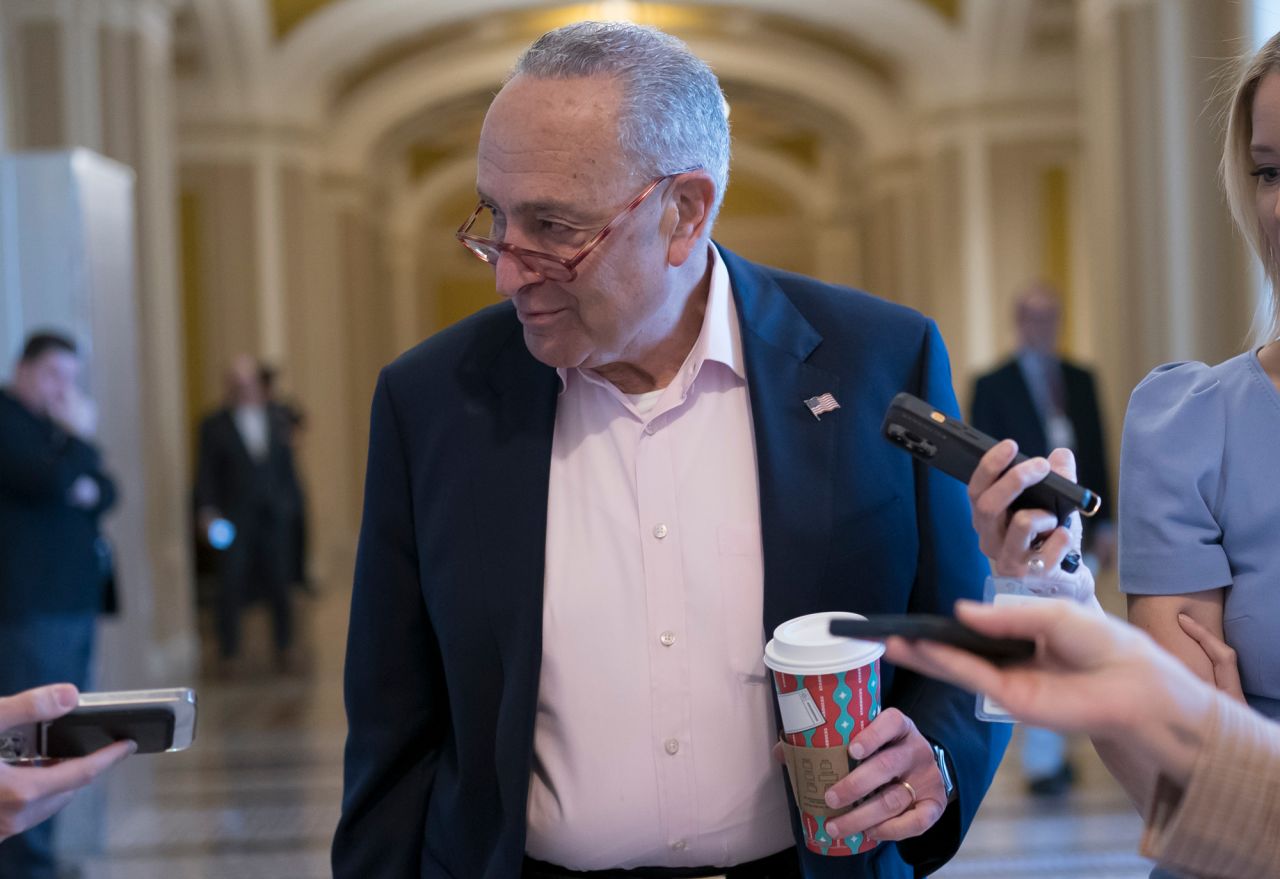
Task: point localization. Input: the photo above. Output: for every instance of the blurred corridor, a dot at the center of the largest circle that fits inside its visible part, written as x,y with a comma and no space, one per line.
284,178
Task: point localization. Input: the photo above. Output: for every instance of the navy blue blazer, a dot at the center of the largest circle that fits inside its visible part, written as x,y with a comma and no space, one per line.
445,641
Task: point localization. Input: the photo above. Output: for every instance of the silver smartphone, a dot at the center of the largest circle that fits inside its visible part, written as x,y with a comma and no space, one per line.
158,720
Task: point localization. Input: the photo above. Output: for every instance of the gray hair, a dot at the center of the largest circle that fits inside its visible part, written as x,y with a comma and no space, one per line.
673,116
1237,163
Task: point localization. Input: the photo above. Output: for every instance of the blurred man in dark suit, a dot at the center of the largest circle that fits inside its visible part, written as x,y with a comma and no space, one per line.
54,564
294,421
246,499
1042,402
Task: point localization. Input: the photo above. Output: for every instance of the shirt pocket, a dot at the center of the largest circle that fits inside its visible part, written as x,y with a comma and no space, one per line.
740,559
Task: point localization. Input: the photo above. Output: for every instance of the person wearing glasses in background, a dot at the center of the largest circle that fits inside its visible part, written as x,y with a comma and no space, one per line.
586,506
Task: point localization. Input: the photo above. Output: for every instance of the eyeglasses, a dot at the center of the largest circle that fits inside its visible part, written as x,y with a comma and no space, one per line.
549,266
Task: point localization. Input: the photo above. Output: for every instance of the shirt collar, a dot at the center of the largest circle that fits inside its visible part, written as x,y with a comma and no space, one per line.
719,340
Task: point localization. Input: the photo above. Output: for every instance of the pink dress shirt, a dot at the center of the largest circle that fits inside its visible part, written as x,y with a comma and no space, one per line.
655,723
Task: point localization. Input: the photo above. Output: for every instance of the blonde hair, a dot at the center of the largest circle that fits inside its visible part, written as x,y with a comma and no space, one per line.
1241,187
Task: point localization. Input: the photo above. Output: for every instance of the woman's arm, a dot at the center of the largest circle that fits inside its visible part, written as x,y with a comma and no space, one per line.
1157,615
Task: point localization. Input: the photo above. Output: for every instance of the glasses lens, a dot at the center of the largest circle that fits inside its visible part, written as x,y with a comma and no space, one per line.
545,265
551,269
486,252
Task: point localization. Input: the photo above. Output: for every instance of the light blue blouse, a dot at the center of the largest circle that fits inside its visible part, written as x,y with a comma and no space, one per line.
1200,503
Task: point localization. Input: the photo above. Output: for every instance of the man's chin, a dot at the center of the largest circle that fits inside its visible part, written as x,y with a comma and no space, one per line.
554,352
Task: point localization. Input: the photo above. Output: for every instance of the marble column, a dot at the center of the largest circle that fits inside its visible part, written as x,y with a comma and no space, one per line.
1169,275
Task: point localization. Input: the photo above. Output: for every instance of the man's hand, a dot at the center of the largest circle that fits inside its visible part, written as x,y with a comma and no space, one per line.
75,413
84,493
891,751
205,517
30,794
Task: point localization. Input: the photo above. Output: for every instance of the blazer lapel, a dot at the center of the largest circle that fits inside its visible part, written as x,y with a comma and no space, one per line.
795,452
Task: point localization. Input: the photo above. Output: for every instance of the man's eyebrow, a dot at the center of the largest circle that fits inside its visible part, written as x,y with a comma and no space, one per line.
544,204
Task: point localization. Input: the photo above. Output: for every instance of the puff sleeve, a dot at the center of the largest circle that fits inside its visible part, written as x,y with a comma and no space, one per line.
1171,483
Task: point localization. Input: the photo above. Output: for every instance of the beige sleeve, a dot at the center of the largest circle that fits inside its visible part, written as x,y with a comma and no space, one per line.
1225,822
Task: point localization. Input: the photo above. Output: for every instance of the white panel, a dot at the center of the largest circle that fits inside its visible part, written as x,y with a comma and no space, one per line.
69,217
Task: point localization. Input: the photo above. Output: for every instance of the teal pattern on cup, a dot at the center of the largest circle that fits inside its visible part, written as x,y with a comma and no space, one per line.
828,689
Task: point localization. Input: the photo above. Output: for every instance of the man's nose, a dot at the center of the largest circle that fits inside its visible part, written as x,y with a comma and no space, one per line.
512,275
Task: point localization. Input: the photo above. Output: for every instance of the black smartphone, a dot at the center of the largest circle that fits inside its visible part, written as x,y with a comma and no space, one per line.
944,630
955,448
157,720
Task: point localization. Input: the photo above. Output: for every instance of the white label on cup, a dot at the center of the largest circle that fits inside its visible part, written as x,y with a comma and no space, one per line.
799,712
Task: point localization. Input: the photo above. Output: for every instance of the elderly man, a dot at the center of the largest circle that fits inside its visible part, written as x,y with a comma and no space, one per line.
586,506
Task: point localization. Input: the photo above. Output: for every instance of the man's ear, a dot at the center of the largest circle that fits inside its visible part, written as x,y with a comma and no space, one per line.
692,196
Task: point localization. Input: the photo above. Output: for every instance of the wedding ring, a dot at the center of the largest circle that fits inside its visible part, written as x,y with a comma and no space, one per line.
911,790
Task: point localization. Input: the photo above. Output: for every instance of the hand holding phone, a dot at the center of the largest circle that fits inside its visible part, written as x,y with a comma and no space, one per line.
30,795
944,630
157,720
955,448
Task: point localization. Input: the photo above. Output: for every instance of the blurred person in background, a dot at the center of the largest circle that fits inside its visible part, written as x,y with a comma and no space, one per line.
1043,401
293,420
54,563
246,479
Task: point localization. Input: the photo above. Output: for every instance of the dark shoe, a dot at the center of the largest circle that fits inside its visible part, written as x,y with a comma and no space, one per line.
1054,785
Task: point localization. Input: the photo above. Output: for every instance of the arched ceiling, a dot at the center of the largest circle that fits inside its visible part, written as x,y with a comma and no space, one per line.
297,57
791,95
287,15
407,81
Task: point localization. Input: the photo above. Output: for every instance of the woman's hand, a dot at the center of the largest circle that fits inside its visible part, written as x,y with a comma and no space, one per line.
1226,670
1091,674
1030,542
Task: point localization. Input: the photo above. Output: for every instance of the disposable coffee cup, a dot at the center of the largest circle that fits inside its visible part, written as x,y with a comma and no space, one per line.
828,691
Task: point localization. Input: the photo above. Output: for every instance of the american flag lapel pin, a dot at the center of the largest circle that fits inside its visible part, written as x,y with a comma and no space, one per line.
821,404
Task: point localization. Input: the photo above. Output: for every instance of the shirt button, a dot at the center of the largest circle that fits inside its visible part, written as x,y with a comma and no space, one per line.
672,746
679,845
667,638
650,428
659,531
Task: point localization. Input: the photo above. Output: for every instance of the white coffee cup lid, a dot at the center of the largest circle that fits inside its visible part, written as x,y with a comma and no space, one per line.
805,646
